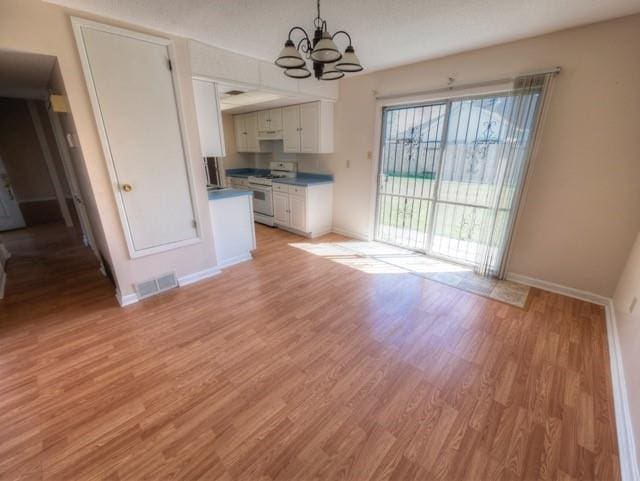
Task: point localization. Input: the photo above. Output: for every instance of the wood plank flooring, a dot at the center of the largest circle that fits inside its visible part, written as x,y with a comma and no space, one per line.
293,367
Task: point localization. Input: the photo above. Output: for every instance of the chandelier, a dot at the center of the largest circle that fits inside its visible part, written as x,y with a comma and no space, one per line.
328,62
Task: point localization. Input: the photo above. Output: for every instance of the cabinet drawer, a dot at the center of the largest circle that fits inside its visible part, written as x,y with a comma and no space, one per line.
280,187
298,189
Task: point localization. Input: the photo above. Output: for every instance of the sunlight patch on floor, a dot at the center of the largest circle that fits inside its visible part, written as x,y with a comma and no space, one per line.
379,258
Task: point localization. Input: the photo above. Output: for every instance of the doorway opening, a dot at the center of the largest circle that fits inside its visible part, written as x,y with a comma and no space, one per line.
40,192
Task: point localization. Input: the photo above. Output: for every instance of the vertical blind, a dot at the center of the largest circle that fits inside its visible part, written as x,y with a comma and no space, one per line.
451,173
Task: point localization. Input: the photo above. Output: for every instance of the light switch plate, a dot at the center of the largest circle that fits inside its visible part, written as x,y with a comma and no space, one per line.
70,142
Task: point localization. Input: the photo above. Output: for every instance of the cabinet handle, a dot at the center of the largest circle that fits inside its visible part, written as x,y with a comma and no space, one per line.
127,187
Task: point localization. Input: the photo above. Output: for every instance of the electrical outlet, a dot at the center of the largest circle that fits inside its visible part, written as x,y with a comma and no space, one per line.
632,306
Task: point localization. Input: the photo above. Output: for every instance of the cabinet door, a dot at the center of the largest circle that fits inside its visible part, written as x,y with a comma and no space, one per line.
251,128
209,120
281,208
241,136
309,125
291,129
275,119
263,121
298,211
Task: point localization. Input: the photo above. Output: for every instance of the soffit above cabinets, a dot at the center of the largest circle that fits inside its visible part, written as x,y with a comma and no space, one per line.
225,66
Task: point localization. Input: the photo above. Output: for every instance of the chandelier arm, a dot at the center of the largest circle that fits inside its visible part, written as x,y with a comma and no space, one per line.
344,33
304,43
306,36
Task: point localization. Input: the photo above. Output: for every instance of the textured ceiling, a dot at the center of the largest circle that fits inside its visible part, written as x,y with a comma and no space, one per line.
385,32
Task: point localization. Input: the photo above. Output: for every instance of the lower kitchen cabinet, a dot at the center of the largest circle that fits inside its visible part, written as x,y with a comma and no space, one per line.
305,210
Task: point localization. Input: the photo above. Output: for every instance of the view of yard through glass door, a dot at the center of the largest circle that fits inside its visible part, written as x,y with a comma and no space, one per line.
442,178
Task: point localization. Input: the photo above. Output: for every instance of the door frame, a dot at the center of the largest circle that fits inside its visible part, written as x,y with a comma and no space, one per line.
78,24
72,180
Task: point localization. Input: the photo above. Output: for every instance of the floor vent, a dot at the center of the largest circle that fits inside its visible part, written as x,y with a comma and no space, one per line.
155,286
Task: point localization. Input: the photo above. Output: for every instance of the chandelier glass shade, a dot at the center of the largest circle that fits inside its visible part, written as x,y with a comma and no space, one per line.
327,60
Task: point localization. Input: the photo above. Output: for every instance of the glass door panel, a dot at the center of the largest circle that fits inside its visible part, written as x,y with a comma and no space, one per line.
443,179
410,152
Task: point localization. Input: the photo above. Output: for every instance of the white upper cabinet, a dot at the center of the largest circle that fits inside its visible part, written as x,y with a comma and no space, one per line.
251,128
246,130
131,86
305,128
270,120
275,119
308,128
240,133
291,129
209,118
263,120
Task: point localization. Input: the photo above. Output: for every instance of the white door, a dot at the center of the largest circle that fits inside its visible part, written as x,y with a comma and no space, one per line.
298,211
275,119
135,105
281,208
251,129
209,119
309,133
291,129
10,215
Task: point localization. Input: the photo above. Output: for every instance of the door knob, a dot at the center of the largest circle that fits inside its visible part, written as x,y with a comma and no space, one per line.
127,187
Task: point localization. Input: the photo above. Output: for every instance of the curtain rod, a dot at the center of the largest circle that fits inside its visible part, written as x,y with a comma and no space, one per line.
486,83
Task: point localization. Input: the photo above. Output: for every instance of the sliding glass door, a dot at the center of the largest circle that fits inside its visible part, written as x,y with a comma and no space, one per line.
449,171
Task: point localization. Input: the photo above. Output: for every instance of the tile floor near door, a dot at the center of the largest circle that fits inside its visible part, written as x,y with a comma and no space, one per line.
294,367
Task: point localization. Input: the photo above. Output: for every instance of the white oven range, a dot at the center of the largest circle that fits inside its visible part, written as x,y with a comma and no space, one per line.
262,187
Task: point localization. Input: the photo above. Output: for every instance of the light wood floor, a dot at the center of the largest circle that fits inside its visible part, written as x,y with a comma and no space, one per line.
293,367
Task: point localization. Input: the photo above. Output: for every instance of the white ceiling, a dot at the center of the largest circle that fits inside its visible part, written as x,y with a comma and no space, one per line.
385,33
24,73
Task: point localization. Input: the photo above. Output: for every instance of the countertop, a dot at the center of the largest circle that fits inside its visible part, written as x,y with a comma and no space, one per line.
302,178
226,193
306,179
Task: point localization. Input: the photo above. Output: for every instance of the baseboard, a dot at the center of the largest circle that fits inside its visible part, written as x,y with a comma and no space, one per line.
127,299
315,235
624,429
235,260
348,233
198,276
558,289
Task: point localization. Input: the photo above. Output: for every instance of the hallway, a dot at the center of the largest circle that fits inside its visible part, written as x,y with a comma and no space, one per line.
46,262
